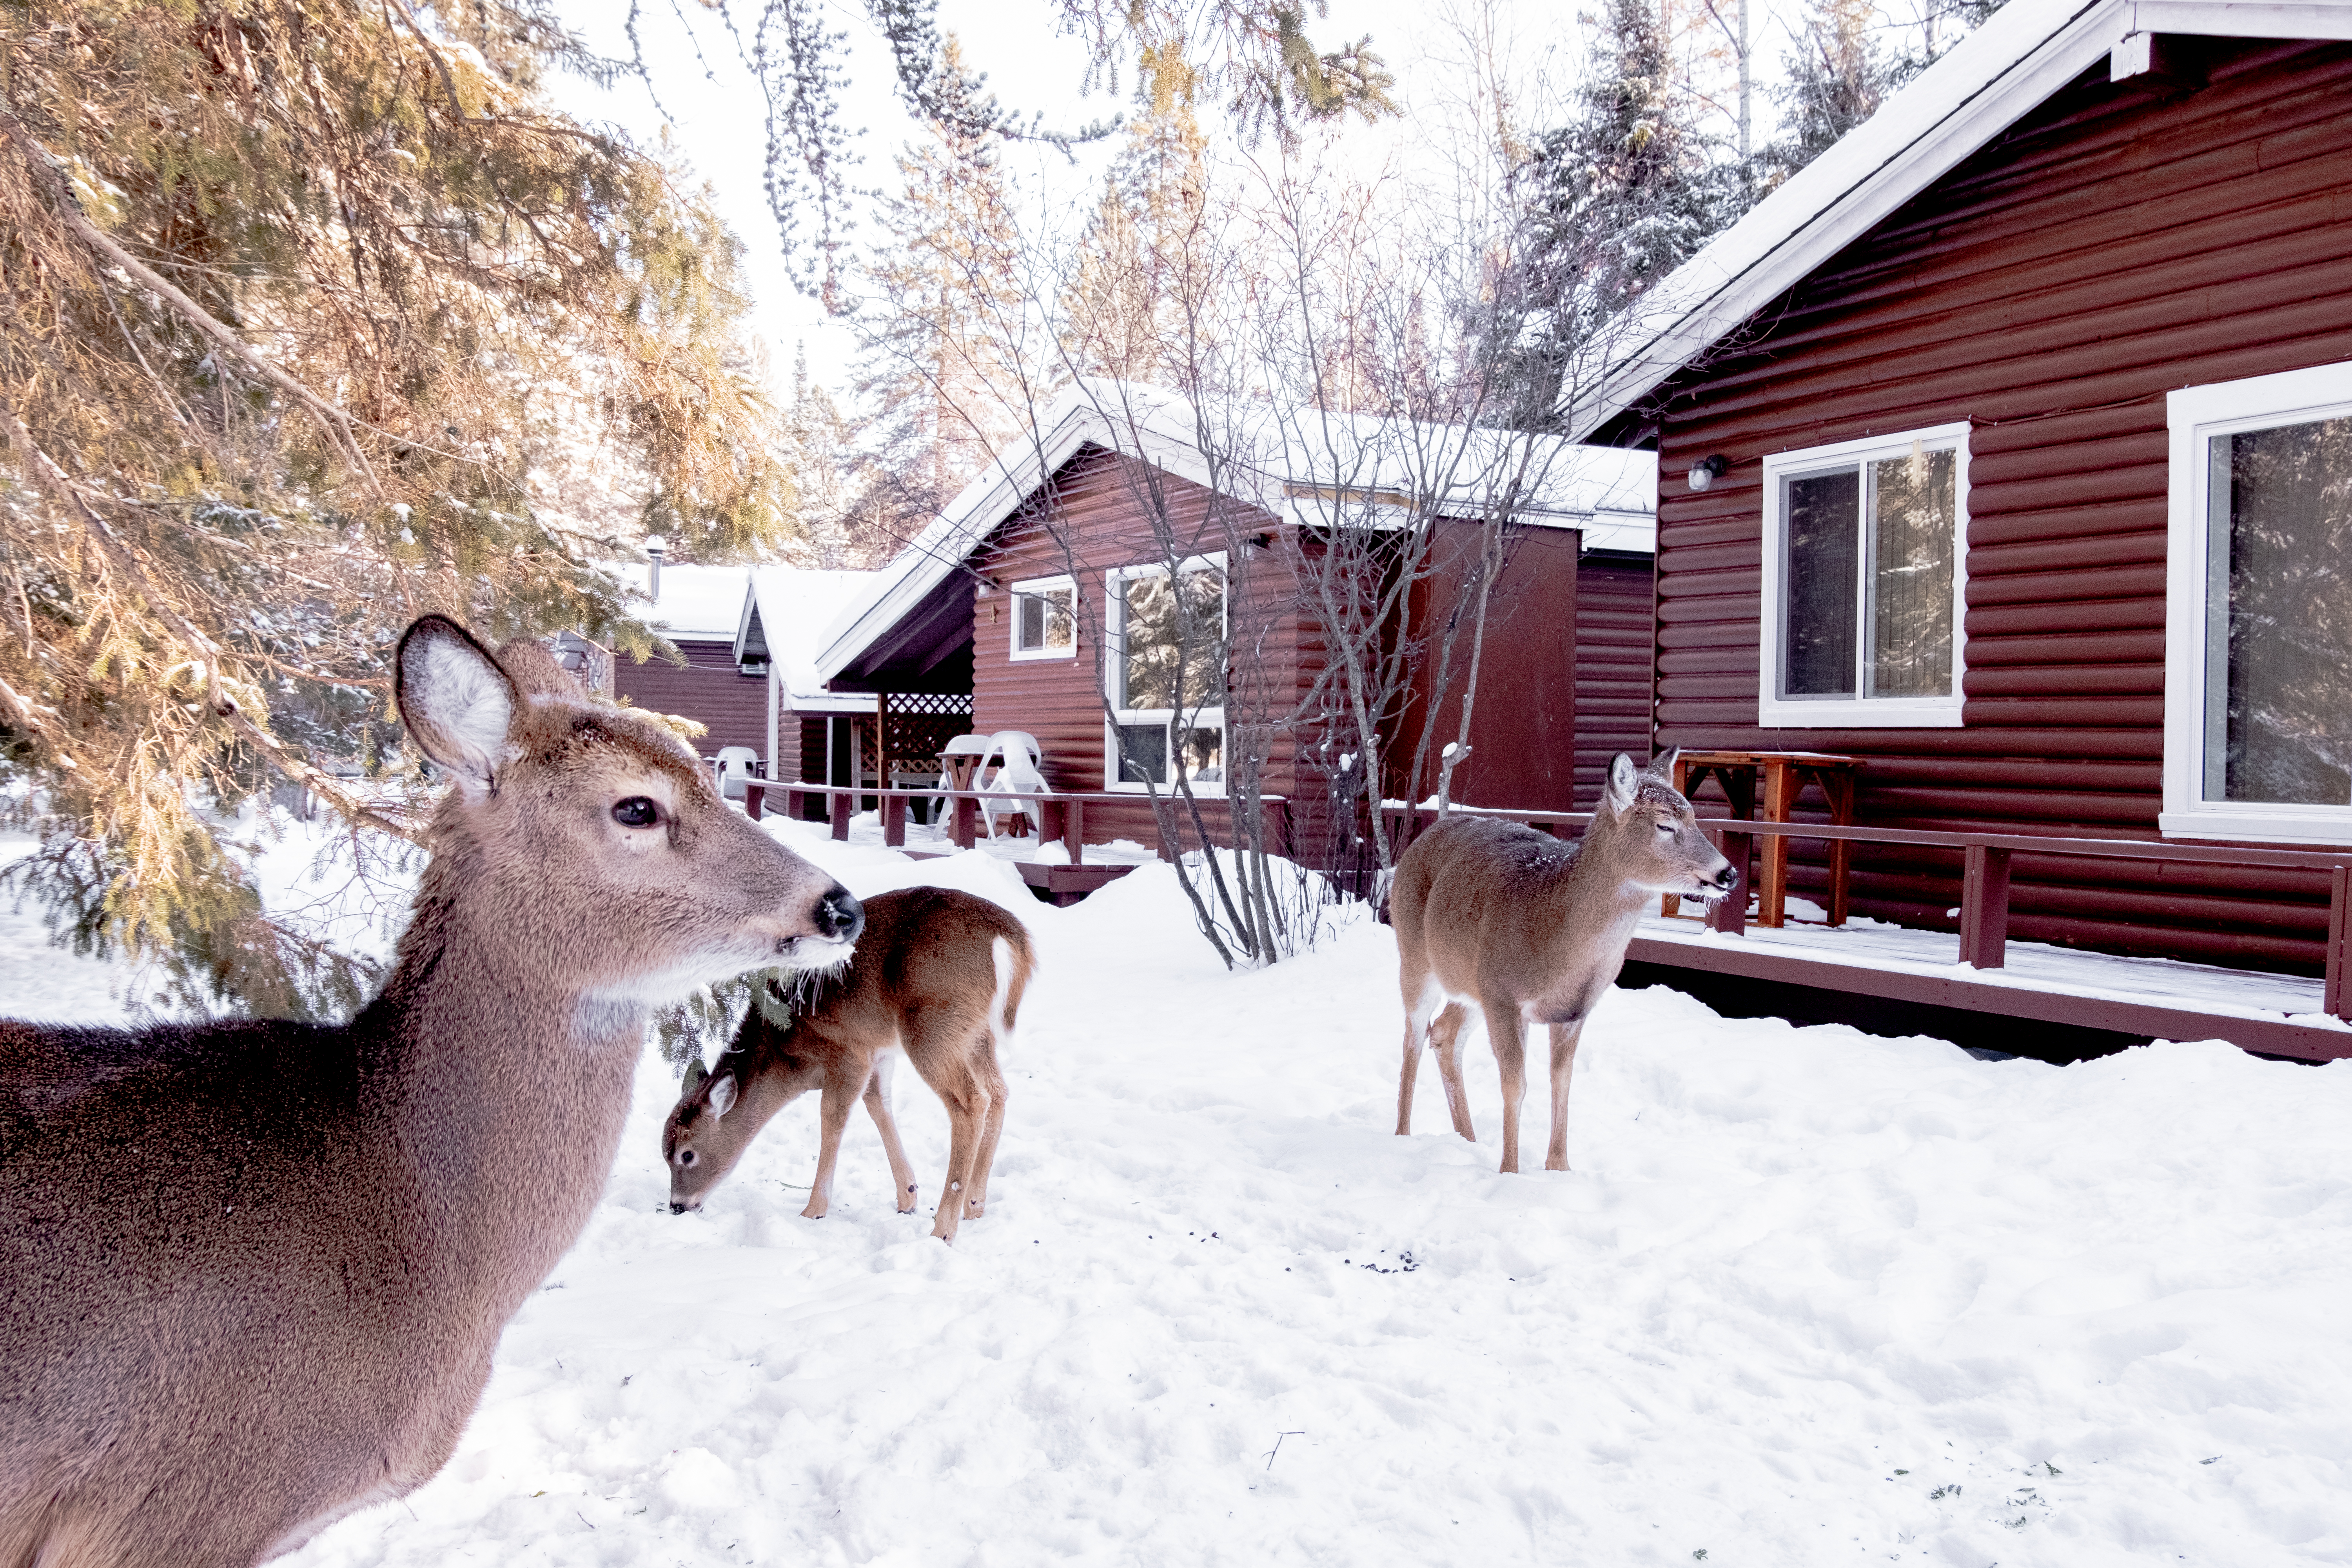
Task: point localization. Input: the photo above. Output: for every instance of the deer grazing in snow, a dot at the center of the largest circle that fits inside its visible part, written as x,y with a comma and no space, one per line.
255,1271
938,975
1530,931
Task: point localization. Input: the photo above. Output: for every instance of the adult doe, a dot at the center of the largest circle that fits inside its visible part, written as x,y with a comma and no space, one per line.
255,1271
939,974
1531,930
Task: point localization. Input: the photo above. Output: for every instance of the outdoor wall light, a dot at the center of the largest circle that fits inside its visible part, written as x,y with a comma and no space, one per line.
1708,470
983,587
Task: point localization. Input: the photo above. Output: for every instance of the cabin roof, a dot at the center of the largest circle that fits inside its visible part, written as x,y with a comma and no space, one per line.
2022,54
1297,463
784,614
701,603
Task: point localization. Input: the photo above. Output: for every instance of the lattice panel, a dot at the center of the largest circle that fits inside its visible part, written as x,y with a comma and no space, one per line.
916,724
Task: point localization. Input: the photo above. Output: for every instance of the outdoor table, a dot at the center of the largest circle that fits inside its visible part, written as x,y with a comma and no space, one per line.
1784,774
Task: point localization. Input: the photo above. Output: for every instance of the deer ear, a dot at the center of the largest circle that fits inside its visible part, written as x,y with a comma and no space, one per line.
454,698
695,1073
722,1095
1622,781
1661,766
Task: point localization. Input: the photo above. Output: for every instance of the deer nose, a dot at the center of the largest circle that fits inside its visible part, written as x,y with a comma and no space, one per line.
839,917
1725,878
676,1207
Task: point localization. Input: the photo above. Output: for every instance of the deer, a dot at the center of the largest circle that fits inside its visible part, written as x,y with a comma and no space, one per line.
255,1270
1529,930
937,975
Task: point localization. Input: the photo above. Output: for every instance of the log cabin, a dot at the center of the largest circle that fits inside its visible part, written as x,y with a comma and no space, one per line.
2008,448
1044,587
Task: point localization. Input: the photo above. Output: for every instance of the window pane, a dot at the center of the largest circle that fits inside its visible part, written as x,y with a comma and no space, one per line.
1046,620
1917,508
1824,518
1204,756
1145,749
2286,716
1174,633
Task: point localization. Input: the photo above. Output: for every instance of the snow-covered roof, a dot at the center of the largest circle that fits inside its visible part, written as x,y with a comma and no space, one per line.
703,603
2022,54
1297,463
792,608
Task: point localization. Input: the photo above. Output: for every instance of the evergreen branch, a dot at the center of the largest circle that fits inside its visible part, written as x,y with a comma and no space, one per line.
336,420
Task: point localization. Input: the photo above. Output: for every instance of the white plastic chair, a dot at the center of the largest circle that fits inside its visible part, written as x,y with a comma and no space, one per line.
1016,755
734,764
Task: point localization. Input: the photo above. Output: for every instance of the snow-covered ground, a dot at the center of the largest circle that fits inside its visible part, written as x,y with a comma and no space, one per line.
1808,1296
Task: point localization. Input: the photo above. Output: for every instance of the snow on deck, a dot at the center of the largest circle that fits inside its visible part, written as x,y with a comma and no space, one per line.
2030,965
865,832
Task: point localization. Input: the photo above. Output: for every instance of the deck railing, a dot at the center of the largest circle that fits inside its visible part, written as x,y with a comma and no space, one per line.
1059,816
1984,877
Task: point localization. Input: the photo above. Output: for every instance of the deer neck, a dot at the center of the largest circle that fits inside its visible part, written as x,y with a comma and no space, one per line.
1598,880
504,1092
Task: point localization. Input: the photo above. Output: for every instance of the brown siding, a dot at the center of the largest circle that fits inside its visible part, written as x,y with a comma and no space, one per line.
1523,733
1613,603
709,690
2113,246
1104,504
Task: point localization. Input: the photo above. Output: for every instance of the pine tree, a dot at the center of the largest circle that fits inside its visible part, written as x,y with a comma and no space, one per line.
1124,310
942,368
1838,74
311,312
1614,200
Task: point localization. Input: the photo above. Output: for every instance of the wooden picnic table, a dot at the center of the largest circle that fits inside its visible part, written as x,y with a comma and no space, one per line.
1784,775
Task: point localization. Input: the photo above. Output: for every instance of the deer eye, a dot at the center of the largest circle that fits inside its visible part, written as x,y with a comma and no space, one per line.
685,1156
1666,827
636,811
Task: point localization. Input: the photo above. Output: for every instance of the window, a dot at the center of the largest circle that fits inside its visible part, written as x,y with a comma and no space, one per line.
1864,578
2258,635
1167,669
1044,625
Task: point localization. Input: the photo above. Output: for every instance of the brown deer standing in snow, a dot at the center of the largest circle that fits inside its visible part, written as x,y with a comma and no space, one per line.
939,974
1530,931
255,1271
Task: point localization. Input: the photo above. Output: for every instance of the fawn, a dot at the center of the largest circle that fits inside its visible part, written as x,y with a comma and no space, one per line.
938,975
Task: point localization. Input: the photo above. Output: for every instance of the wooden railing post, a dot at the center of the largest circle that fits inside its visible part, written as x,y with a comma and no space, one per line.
1074,830
843,802
755,799
967,821
1984,907
1729,915
2338,987
894,821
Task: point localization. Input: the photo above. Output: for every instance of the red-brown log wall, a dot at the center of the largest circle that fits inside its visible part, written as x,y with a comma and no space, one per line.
709,690
1523,726
2122,241
1102,505
1613,602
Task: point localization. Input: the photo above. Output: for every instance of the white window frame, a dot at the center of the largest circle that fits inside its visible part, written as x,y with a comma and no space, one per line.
1037,586
1115,659
1774,712
2195,415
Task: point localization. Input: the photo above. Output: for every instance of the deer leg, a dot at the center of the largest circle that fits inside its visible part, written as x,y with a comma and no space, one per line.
877,1105
1563,1062
967,1104
984,1157
1446,1035
841,1092
1509,1040
1417,1010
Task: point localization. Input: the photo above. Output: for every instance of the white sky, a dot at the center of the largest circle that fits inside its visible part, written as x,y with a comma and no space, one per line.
719,125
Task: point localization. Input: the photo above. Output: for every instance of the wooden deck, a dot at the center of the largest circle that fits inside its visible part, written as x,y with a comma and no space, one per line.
1969,970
